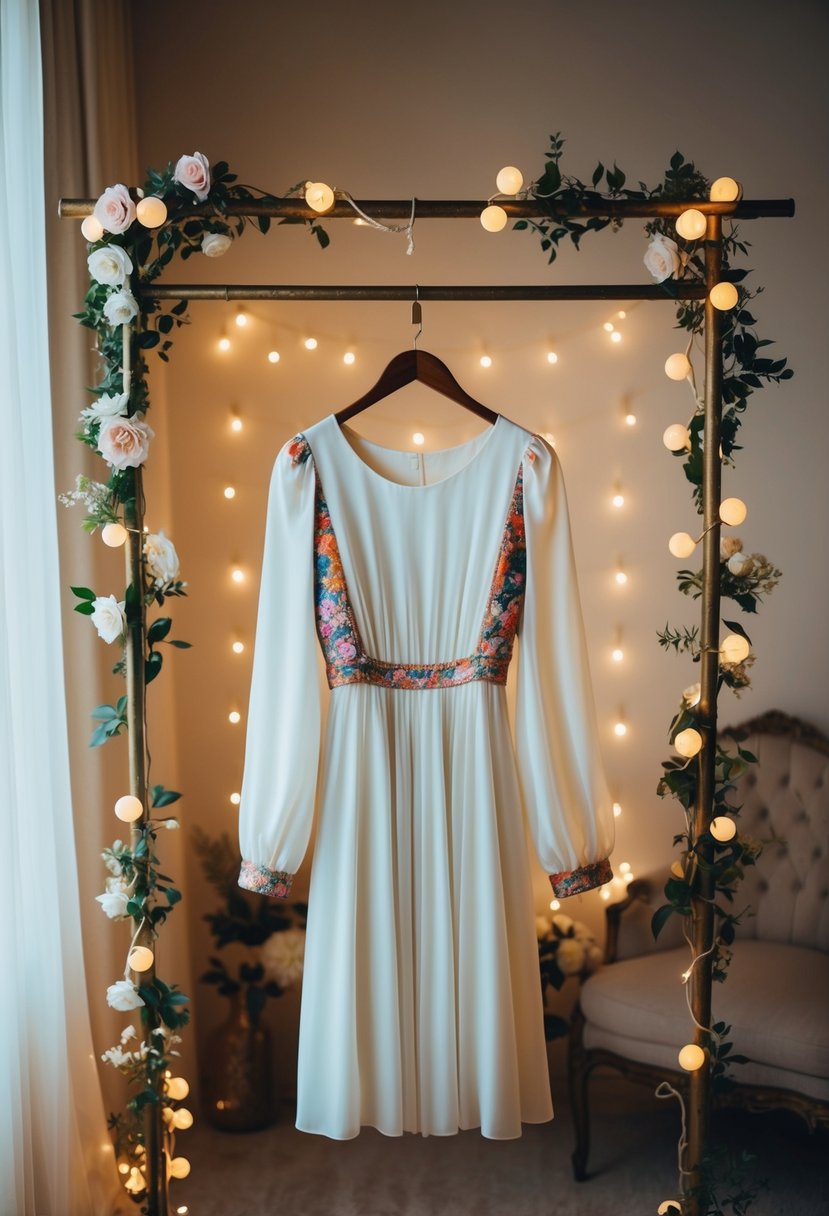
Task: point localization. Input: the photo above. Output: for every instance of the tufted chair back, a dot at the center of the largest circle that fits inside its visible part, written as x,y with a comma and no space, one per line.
785,803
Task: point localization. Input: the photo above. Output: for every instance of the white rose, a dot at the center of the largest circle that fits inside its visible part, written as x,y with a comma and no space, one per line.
161,558
692,694
115,899
729,545
124,442
741,564
282,956
662,257
562,924
542,927
109,617
214,244
108,405
123,996
194,173
570,956
110,264
115,210
121,307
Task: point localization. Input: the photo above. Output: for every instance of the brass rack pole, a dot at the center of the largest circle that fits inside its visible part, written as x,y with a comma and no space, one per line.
470,209
154,1158
702,908
227,292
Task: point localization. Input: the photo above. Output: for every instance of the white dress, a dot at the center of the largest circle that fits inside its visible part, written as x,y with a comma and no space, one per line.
415,572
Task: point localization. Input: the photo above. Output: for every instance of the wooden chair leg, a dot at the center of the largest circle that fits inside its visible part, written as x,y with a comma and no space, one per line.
578,1074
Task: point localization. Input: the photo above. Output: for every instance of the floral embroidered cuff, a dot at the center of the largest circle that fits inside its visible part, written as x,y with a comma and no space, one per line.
264,881
585,878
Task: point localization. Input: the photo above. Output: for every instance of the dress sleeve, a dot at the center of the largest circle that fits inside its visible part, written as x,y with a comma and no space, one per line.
283,729
557,747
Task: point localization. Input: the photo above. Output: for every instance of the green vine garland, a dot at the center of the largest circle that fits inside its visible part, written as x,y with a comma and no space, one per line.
196,221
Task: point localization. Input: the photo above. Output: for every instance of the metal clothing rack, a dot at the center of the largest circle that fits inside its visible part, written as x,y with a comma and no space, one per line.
293,208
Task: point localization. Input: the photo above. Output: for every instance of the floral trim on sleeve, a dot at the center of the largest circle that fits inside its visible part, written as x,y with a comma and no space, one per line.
264,881
585,878
299,449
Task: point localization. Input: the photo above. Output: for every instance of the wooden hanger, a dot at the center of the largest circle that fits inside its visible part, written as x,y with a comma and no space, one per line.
417,365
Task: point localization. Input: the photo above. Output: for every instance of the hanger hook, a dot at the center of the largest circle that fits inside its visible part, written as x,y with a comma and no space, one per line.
417,315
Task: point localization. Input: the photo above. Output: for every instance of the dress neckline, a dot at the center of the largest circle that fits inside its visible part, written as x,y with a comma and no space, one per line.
483,441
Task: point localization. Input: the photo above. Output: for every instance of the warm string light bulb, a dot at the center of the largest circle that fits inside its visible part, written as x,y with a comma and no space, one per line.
668,1207
555,904
236,423
151,211
723,828
509,180
620,729
141,958
734,648
224,343
691,224
241,317
273,356
604,894
682,544
493,218
617,654
733,512
182,1119
618,499
235,798
624,867
691,1057
617,809
128,808
234,717
608,327
725,190
552,357
237,574
114,535
723,296
615,336
92,229
418,438
349,358
676,437
229,492
688,742
677,366
176,1088
319,196
310,344
486,360
179,1167
238,647
630,419
620,577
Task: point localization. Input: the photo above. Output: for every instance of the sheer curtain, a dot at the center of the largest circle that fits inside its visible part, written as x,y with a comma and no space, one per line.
55,1155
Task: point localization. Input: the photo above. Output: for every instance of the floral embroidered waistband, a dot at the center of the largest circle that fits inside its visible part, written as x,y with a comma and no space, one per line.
346,659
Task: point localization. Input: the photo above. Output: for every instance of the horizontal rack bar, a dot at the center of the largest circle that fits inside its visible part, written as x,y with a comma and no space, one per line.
681,290
436,209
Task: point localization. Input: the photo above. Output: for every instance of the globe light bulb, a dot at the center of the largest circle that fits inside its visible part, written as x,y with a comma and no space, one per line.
151,211
552,357
608,327
224,342
349,357
114,535
677,366
617,809
688,742
319,196
123,1168
238,647
141,958
618,500
691,224
734,649
691,1057
509,180
241,318
624,867
237,574
682,544
273,356
177,1088
725,190
418,438
668,1207
604,894
621,578
235,798
723,828
621,314
676,437
630,419
486,361
733,511
92,229
723,296
617,654
129,808
615,336
555,904
311,344
179,1167
620,729
236,424
234,717
229,492
493,218
182,1119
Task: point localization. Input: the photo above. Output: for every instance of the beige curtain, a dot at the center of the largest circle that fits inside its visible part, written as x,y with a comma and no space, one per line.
90,143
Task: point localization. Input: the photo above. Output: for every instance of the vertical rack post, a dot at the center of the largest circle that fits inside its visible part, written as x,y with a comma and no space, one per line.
134,651
702,907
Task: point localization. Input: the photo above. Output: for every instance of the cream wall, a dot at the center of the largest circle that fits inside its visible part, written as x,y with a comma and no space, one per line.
432,100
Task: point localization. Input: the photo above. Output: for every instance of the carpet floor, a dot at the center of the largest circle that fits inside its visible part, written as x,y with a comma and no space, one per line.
632,1164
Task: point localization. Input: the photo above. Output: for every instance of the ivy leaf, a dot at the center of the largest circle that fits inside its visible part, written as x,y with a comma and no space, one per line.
152,667
159,629
660,919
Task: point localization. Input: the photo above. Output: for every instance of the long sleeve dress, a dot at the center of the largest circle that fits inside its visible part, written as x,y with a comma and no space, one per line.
416,573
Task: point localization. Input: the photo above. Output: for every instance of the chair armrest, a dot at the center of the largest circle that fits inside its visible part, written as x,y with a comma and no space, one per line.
628,922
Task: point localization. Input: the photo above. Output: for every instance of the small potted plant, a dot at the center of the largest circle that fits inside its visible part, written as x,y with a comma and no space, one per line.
239,1094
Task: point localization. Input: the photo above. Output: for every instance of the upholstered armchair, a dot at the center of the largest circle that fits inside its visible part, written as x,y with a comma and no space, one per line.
632,1014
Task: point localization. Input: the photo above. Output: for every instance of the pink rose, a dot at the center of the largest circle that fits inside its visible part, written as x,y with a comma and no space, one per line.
326,629
115,210
124,442
194,173
346,649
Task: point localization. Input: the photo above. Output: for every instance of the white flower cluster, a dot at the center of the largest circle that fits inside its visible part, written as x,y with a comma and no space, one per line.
283,956
663,258
125,1060
93,494
745,565
577,950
